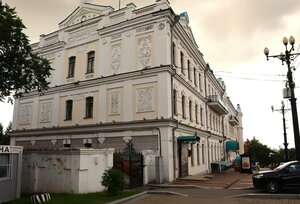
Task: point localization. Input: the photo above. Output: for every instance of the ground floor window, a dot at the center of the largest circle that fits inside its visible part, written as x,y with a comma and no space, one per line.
5,166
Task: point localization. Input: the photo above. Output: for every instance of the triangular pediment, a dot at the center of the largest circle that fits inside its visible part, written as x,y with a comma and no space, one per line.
184,21
84,12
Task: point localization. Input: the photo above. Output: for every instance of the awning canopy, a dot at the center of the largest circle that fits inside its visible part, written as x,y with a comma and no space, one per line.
232,146
191,138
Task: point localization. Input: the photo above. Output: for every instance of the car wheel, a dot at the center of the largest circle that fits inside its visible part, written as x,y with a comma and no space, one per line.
272,186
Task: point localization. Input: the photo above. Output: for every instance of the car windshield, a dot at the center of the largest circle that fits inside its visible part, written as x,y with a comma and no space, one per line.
282,166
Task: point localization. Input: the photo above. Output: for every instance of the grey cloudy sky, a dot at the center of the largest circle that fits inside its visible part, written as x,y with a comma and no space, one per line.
231,35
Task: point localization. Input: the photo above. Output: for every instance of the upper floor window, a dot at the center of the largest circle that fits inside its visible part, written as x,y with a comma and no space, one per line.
175,101
196,114
195,82
201,115
69,109
183,106
200,82
89,107
174,53
182,62
71,71
90,62
190,110
189,70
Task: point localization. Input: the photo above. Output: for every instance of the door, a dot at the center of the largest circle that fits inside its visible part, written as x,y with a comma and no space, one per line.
183,160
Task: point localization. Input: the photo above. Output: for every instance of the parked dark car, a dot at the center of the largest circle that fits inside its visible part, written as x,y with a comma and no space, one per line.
285,175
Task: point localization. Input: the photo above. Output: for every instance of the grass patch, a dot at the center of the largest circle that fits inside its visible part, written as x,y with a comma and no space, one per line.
90,198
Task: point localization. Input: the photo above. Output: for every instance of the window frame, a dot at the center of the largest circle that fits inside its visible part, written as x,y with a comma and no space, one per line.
7,167
183,106
71,68
89,107
69,110
90,62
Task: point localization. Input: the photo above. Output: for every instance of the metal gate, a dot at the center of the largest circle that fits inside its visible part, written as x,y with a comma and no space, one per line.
130,163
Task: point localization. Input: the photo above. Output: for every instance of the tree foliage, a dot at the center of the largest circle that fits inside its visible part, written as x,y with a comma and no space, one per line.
4,135
112,179
260,152
21,70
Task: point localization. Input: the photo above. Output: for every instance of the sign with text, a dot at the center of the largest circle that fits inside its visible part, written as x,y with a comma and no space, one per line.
6,149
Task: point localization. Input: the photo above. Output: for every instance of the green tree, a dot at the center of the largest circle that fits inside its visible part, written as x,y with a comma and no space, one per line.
261,153
21,70
113,180
4,135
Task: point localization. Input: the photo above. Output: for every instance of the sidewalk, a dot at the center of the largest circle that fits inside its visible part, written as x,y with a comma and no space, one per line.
228,179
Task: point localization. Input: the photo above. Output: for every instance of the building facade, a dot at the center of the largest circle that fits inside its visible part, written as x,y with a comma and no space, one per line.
129,74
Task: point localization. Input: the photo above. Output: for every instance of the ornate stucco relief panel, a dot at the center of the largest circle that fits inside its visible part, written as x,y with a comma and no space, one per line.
145,50
45,112
144,99
116,57
25,114
115,104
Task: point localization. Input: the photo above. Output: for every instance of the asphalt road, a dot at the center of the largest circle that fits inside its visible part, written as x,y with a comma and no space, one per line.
212,196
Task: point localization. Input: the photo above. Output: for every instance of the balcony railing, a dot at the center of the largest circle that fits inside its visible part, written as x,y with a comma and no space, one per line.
216,103
233,120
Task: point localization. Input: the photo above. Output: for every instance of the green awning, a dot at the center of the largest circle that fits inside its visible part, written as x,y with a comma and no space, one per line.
232,146
192,138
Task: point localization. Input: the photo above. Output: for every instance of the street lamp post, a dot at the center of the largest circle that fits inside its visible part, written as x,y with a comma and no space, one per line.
283,111
287,58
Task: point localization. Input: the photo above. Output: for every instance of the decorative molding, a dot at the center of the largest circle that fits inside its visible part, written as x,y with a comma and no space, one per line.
116,57
25,114
116,36
128,34
127,139
115,103
104,41
101,139
161,26
45,112
53,142
32,142
145,99
146,28
144,47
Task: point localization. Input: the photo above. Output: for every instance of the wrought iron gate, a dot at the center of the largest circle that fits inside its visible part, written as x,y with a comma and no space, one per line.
130,163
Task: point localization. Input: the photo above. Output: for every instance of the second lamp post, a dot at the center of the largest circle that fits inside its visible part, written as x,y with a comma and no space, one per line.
283,111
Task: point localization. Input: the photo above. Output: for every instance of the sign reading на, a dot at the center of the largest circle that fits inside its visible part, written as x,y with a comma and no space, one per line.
5,149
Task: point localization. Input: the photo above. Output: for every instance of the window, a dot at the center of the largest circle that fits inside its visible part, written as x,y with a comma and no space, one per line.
190,110
5,166
203,158
181,62
72,61
192,154
183,106
89,107
195,82
174,54
175,101
201,115
69,107
196,114
198,154
189,70
200,82
90,62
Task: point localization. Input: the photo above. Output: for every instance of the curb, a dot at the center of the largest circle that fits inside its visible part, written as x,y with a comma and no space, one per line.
145,193
272,196
180,186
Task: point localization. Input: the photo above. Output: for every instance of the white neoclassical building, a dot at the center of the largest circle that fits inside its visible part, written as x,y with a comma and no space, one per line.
130,74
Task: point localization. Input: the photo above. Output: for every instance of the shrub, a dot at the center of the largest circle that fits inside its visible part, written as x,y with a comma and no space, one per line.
113,180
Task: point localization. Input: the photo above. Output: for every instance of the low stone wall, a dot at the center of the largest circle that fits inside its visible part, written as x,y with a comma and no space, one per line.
65,171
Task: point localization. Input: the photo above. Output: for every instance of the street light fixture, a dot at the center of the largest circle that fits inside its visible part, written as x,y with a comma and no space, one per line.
283,111
288,57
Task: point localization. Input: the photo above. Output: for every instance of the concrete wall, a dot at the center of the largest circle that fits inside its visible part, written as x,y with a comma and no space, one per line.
65,171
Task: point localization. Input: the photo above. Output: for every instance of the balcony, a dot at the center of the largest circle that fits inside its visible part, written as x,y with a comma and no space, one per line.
233,120
216,103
